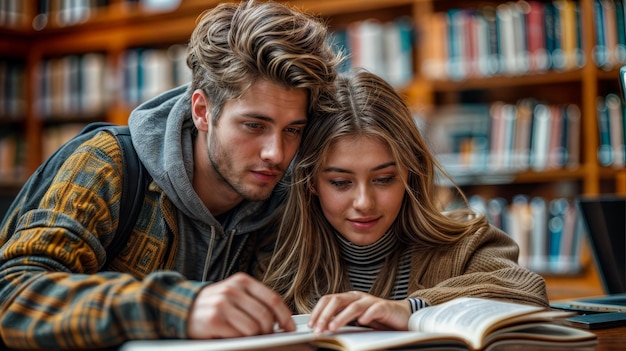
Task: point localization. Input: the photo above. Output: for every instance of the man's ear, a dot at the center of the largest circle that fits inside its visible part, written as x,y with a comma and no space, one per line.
200,107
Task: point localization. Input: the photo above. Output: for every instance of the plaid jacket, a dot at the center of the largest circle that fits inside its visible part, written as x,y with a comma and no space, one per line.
54,293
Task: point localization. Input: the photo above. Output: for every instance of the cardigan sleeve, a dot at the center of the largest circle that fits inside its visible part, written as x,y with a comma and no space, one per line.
483,264
52,295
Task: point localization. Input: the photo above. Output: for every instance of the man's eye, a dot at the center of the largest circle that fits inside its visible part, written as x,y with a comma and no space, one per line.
294,131
254,125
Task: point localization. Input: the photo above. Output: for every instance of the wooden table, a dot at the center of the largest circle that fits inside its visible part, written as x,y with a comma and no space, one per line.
611,339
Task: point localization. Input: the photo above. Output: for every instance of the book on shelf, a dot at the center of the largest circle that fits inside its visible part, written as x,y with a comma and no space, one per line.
457,43
13,13
610,30
497,212
572,134
72,85
458,135
536,37
614,109
605,151
612,131
384,48
569,23
600,53
398,50
620,23
556,150
557,209
469,139
55,136
509,38
12,160
464,323
547,232
12,89
520,227
148,71
523,128
538,252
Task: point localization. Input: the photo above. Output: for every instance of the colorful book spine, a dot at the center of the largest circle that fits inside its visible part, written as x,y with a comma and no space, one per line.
550,32
540,135
456,44
539,242
556,225
536,37
620,24
605,149
572,118
600,53
556,154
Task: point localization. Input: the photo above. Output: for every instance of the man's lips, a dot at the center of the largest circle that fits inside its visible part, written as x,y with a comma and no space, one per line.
266,176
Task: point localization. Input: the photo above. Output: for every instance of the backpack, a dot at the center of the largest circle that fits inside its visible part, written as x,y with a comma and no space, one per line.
135,180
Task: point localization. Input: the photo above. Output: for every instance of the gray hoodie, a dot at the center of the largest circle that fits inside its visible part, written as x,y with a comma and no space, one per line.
162,133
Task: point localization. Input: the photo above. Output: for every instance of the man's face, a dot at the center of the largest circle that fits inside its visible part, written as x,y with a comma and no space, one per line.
254,140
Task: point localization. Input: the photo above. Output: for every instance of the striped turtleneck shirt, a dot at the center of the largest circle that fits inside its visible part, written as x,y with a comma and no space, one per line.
365,263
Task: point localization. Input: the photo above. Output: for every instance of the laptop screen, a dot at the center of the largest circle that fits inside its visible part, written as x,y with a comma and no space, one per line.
605,219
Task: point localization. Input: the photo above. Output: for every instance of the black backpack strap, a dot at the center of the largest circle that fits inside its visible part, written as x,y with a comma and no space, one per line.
135,179
133,191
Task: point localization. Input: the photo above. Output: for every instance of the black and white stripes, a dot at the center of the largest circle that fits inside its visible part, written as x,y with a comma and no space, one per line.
365,263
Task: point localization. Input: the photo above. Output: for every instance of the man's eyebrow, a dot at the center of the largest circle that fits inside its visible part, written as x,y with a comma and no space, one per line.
271,120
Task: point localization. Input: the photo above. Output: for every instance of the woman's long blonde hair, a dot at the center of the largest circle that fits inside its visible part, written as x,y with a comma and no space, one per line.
307,262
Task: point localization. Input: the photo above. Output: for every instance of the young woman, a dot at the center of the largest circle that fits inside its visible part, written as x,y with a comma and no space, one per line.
363,237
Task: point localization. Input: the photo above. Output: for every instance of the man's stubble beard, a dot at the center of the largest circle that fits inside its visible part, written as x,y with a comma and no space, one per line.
218,156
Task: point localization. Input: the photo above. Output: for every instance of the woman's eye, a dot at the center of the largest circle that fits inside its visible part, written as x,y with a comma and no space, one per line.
339,183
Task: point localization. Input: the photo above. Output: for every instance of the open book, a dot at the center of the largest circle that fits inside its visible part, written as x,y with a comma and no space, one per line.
464,323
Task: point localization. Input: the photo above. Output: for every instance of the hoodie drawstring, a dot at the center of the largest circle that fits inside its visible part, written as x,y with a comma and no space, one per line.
228,245
209,255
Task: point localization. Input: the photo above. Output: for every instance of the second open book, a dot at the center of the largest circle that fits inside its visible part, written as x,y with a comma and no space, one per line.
470,323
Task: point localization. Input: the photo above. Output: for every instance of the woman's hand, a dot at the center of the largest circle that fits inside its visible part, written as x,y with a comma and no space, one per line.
337,310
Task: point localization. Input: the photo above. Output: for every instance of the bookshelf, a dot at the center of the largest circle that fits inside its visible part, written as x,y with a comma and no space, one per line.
114,31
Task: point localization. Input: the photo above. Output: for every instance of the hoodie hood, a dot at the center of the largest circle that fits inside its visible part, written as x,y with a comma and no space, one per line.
162,133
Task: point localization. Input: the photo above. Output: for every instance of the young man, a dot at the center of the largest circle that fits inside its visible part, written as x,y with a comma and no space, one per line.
215,151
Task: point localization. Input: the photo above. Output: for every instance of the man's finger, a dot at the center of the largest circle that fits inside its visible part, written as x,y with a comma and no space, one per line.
273,305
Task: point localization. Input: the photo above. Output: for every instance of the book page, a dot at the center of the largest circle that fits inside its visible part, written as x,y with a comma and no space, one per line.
266,342
470,318
544,332
382,340
302,334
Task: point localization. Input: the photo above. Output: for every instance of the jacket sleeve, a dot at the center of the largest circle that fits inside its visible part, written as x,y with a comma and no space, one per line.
480,265
52,295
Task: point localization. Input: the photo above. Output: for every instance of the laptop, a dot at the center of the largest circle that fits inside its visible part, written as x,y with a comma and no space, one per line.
605,220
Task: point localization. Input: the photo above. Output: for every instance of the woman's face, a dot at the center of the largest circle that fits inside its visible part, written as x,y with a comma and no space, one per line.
360,188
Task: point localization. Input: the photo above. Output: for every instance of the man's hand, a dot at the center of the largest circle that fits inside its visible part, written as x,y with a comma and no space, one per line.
337,310
237,306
